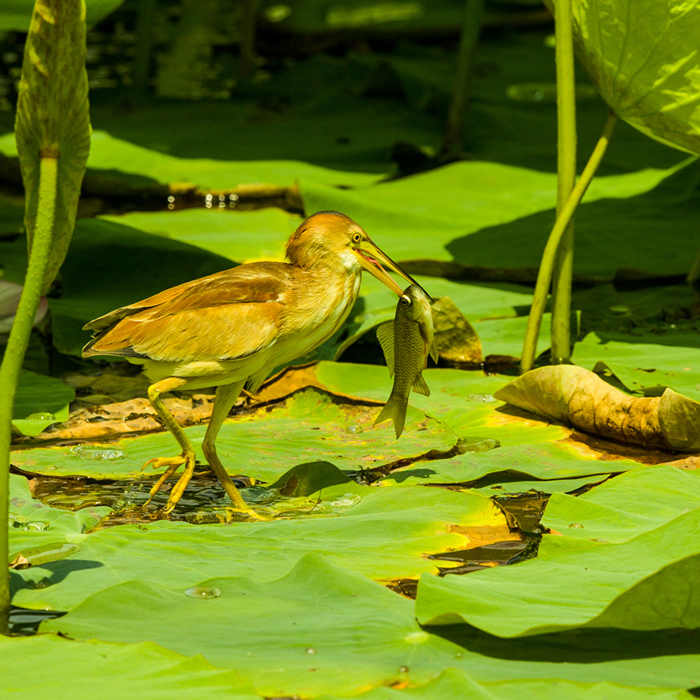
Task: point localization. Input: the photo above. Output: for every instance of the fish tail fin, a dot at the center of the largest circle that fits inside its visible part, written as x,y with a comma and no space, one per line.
394,410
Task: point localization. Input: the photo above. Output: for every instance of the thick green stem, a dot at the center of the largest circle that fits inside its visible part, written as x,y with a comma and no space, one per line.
14,355
544,277
566,172
454,132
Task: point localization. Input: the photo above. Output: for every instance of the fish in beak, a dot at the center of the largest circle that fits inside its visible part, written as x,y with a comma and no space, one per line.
374,260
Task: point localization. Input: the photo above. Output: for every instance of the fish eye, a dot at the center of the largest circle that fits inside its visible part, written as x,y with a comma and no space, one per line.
356,237
405,300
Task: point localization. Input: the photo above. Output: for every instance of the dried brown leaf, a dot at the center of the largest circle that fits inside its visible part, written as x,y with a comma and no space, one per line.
581,398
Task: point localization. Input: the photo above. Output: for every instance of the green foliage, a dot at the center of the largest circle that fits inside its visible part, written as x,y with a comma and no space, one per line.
15,15
647,583
653,87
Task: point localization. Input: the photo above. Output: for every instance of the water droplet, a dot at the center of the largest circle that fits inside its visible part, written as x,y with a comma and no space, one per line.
209,198
41,416
222,197
233,197
354,429
578,526
598,539
310,651
347,500
97,454
482,398
459,655
203,592
416,637
403,669
171,199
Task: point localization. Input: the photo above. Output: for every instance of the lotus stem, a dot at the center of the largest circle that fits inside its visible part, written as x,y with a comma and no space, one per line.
469,39
14,356
566,177
544,277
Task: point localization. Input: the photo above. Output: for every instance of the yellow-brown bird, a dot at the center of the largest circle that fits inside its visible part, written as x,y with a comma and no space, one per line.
231,329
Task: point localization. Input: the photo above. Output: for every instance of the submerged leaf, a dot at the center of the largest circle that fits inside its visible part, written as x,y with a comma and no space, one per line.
581,398
53,119
456,340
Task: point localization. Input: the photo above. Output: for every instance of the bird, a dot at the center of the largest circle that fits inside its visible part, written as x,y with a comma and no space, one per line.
230,330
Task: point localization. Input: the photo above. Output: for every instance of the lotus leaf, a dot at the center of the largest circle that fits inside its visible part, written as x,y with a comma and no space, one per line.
36,666
33,524
326,618
308,426
672,360
624,507
453,684
647,583
643,59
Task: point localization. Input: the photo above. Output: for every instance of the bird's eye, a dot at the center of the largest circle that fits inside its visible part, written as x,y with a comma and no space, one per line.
356,237
405,301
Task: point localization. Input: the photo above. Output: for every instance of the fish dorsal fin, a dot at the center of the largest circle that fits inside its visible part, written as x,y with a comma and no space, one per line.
420,386
385,334
433,352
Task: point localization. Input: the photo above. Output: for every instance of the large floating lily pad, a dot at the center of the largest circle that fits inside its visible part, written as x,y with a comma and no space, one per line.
398,526
33,524
36,666
308,427
325,618
503,219
626,506
665,361
454,684
648,583
110,153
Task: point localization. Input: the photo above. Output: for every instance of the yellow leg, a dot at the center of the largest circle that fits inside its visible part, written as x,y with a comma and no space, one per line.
226,396
186,457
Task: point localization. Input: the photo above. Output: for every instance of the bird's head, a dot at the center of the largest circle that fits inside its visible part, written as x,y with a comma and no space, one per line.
329,238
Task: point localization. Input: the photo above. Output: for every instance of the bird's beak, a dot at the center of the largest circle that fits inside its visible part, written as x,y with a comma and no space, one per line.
373,259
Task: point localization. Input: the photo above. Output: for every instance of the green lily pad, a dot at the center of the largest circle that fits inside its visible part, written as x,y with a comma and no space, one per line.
309,426
454,684
398,526
646,368
648,583
504,218
326,618
110,153
45,664
33,524
39,402
238,236
623,507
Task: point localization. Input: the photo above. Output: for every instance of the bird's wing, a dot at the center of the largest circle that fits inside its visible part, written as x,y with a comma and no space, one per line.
225,316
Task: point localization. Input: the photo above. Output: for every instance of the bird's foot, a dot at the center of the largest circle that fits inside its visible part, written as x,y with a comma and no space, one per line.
172,464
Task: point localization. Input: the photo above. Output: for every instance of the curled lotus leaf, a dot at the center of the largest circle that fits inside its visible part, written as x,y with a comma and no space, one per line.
574,395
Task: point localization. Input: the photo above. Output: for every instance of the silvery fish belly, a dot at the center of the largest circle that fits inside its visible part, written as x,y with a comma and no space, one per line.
406,342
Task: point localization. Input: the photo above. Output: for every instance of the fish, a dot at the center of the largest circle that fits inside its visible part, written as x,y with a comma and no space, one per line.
406,342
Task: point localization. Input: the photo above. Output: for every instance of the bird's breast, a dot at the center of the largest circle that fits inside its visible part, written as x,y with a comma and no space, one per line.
321,308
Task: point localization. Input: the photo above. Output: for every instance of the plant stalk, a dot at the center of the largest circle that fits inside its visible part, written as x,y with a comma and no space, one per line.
14,355
544,277
566,177
469,39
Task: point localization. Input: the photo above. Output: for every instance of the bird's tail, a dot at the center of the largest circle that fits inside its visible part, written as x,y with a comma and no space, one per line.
394,410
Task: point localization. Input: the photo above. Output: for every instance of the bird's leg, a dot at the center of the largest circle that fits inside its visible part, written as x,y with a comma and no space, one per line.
186,457
226,396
